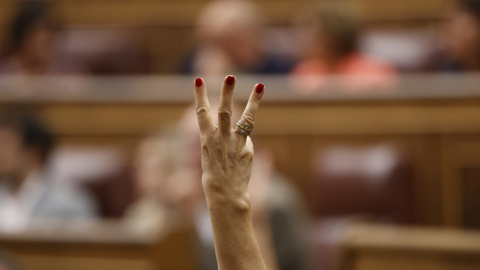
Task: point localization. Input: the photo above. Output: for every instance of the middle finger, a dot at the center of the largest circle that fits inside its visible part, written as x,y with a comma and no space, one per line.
226,104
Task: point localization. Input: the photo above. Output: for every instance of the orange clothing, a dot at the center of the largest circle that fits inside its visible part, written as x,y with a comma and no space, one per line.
361,73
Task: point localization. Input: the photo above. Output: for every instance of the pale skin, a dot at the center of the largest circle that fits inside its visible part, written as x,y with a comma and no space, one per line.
227,164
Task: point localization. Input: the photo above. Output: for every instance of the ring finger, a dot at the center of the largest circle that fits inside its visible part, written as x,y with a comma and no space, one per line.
248,116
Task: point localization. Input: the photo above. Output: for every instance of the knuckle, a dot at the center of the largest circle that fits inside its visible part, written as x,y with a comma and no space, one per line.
224,114
228,89
202,111
205,140
248,154
249,118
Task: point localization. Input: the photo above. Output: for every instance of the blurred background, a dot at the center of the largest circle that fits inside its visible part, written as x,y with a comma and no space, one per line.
367,143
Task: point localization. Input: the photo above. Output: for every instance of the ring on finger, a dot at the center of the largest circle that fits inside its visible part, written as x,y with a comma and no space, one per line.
244,127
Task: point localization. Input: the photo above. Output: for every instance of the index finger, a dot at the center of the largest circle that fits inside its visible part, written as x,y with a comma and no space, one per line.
204,115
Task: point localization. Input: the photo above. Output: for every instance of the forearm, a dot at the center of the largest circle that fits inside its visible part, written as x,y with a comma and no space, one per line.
234,237
227,156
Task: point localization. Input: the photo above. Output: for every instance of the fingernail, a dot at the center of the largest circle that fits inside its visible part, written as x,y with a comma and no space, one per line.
230,80
198,82
260,88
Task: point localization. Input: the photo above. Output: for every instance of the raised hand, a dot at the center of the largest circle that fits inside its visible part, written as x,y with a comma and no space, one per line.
227,155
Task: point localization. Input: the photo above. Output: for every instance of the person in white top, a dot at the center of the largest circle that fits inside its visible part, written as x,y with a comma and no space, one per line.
26,192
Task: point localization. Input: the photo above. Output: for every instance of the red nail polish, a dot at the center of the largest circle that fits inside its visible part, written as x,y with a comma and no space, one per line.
198,82
260,88
230,80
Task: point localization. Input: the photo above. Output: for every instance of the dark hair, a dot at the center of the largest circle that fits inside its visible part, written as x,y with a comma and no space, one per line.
29,13
470,6
340,25
34,134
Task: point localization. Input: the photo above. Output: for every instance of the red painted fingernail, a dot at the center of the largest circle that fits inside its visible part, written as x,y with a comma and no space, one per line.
230,80
260,88
198,82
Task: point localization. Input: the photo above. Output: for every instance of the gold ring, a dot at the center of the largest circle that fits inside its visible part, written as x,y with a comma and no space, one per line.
244,128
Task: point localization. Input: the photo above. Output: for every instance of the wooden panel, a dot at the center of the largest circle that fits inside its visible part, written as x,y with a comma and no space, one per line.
471,198
352,118
100,245
460,151
378,247
393,261
148,12
113,120
73,263
371,118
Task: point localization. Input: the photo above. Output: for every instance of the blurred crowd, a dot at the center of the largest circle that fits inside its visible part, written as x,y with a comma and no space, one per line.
232,36
162,188
161,185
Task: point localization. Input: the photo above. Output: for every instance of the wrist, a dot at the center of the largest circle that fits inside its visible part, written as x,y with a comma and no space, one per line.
221,202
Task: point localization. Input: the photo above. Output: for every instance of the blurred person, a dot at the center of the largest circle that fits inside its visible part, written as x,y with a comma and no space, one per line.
26,190
275,200
163,182
8,262
462,39
231,39
335,51
31,44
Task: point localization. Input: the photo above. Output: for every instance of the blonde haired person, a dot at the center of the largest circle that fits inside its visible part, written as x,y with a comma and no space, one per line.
231,38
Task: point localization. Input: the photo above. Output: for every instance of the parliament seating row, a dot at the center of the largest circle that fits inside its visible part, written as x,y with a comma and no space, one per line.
105,245
163,32
433,120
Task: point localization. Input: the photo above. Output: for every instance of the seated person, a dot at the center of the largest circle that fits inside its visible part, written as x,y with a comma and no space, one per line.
335,51
164,184
462,40
231,39
26,191
30,47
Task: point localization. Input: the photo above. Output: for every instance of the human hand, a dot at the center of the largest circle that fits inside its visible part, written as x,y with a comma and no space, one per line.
227,154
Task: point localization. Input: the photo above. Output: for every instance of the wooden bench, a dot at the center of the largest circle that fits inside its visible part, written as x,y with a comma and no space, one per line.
378,247
99,245
434,119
